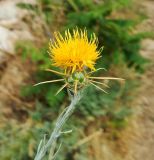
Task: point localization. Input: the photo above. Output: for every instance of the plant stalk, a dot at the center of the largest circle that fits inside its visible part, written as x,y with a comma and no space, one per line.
43,145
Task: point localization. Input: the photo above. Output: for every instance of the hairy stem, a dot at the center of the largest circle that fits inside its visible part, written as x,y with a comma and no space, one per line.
44,146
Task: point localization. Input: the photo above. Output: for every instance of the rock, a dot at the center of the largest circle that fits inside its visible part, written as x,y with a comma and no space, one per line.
12,26
147,48
7,40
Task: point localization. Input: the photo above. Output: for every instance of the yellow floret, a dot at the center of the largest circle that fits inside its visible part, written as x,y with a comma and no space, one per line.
74,51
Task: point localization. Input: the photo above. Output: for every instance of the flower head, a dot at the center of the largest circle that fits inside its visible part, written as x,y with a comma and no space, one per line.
74,51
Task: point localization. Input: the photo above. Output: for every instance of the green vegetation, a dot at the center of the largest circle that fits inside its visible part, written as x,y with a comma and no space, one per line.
120,57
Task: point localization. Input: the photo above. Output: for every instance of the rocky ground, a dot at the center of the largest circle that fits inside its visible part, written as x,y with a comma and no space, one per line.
12,69
137,140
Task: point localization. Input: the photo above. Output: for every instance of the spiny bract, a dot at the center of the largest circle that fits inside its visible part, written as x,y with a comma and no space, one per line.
74,53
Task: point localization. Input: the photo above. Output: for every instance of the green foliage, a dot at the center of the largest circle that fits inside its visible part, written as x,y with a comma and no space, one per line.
26,6
37,55
45,93
18,141
96,18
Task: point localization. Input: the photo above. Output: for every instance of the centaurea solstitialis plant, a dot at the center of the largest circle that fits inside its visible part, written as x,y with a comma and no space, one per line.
76,56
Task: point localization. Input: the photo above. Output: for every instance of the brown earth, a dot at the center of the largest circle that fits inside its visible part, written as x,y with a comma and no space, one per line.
141,144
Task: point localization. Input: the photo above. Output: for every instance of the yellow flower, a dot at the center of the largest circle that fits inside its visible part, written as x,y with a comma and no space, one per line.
74,51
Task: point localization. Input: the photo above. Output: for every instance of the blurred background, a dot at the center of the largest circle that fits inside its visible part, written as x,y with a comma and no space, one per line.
114,126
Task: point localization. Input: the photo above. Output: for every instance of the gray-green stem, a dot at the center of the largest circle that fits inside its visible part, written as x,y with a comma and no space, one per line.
50,144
